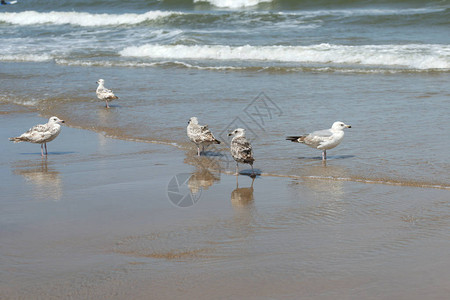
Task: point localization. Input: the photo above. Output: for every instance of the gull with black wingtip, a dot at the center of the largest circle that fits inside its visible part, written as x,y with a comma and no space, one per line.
323,139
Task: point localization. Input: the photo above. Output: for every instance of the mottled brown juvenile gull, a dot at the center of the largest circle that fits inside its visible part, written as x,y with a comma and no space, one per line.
323,139
104,94
241,149
41,134
200,135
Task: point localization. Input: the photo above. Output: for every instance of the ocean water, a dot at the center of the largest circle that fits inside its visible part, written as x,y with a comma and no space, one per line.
276,68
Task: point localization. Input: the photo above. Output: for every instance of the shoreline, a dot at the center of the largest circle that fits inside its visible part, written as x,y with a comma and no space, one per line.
186,146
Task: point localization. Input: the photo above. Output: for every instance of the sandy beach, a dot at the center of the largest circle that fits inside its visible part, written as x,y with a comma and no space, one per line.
96,219
122,208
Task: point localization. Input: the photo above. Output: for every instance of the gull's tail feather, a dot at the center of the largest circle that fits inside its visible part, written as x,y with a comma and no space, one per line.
17,139
295,139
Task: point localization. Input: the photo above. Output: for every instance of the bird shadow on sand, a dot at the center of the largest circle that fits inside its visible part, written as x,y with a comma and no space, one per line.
113,106
328,157
212,153
49,153
248,172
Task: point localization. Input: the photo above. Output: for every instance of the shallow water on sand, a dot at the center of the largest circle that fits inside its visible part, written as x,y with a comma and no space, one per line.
399,121
96,219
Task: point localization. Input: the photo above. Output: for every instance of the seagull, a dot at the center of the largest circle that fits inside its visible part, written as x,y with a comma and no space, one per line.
104,94
241,149
41,134
200,135
323,139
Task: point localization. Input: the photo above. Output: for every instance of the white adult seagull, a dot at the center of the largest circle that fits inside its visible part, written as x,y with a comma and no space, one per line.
323,139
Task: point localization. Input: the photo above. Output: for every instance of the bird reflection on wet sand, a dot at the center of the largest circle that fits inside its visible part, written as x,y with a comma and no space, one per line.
200,180
211,161
321,184
323,179
46,182
242,197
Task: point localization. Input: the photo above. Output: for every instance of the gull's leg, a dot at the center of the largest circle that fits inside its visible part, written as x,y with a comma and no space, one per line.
203,149
107,105
198,150
324,155
253,172
42,150
237,168
45,145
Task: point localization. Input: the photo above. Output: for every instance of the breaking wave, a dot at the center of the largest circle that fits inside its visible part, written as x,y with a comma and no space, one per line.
233,3
26,57
411,56
82,18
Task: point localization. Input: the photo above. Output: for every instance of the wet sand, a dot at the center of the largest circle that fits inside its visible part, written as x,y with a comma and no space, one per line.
104,218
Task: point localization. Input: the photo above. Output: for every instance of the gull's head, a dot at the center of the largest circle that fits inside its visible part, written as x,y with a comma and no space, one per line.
237,132
337,126
193,120
55,120
100,81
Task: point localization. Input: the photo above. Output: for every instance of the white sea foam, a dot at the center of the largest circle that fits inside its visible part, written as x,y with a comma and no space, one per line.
349,12
228,67
26,57
410,56
233,3
13,99
81,18
363,12
136,64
